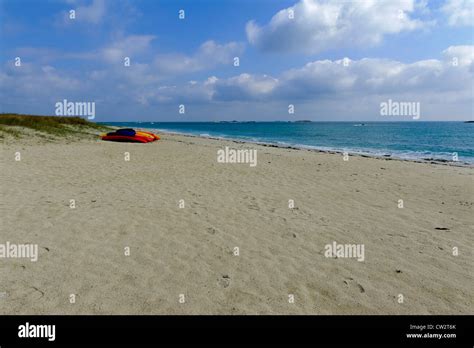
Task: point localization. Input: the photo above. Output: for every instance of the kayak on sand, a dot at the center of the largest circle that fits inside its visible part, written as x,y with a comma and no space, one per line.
130,135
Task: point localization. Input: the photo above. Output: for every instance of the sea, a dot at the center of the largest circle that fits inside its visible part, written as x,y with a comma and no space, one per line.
428,141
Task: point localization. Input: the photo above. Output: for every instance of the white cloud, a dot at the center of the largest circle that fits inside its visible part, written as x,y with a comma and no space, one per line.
459,12
115,52
127,46
35,88
209,55
244,86
92,13
320,25
462,55
353,87
324,85
141,82
362,81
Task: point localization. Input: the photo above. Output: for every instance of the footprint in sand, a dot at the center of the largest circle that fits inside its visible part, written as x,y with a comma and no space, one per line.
211,230
253,204
224,281
466,204
351,281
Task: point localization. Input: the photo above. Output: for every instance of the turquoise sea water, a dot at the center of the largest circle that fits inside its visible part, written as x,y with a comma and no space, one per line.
407,140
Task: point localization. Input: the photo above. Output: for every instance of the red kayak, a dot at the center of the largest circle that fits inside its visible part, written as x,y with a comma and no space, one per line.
125,138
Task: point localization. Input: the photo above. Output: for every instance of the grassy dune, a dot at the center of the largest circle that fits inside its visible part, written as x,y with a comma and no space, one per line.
47,127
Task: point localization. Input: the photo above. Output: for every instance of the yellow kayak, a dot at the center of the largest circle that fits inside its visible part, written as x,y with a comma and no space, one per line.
146,135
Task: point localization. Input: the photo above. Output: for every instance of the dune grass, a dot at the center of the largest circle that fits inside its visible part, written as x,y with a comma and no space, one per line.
11,124
8,130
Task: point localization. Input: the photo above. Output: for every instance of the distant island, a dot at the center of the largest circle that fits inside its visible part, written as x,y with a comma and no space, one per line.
468,121
303,121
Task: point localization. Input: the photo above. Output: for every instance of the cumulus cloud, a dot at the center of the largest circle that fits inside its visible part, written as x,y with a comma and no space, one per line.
32,79
209,55
127,46
365,77
459,12
86,13
92,13
115,52
343,84
462,55
142,82
31,87
244,86
313,26
346,83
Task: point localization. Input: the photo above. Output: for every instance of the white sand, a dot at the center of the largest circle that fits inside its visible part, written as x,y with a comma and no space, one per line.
190,251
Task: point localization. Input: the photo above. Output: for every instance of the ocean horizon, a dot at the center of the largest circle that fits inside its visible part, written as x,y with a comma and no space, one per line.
421,140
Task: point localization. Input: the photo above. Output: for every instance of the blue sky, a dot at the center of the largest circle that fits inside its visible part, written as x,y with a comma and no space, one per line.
332,60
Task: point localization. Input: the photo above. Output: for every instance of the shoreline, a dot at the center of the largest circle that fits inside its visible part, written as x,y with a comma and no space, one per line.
314,149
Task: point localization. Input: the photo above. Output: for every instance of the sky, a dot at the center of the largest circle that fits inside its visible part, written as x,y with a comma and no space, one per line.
221,60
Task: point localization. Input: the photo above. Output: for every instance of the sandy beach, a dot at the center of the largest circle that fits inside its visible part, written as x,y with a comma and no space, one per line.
137,206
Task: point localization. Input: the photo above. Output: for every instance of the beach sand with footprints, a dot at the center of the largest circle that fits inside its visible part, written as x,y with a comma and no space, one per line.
137,206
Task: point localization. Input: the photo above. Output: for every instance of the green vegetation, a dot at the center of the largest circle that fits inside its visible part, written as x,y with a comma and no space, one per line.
12,124
13,132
